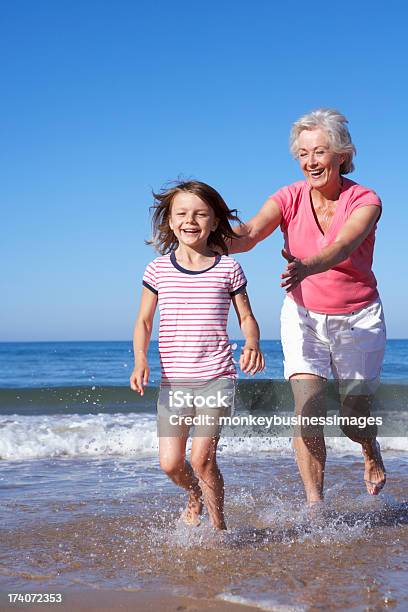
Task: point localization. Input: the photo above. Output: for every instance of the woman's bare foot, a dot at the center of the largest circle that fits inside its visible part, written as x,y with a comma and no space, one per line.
220,525
374,472
191,514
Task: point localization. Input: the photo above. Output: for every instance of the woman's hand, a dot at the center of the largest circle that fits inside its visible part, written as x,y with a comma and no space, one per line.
350,237
140,375
251,360
296,271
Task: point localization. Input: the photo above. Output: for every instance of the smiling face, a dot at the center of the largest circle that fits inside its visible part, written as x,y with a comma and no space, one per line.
191,220
319,164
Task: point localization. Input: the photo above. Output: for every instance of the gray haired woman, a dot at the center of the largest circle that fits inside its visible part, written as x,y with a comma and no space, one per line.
332,319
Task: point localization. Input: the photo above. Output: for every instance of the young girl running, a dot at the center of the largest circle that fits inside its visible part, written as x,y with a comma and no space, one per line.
194,286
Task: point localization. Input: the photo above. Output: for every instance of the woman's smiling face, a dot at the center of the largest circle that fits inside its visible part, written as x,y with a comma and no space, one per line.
191,219
319,164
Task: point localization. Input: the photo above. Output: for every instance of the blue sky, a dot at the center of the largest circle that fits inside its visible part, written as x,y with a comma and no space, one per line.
103,101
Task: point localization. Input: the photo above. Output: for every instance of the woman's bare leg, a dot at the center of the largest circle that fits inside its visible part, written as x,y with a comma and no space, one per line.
374,470
310,448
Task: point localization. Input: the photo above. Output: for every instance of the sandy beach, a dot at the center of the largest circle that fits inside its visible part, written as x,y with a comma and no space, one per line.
86,511
133,601
106,533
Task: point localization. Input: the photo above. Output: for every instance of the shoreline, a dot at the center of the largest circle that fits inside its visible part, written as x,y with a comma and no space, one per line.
94,532
128,601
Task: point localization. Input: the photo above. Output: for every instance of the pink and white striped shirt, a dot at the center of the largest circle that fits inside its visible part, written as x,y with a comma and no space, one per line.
194,305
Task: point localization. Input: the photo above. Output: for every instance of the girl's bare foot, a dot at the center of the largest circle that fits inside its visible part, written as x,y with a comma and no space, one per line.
374,473
191,514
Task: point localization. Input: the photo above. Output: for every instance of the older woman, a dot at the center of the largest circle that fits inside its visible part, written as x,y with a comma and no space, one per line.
332,319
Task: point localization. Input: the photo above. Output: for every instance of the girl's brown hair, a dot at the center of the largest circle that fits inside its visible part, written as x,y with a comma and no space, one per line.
165,241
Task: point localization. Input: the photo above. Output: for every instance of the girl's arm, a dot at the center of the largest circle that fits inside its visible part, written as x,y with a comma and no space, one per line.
141,339
256,229
251,360
349,238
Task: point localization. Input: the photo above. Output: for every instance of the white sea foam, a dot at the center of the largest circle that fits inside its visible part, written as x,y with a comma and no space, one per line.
261,602
41,436
36,437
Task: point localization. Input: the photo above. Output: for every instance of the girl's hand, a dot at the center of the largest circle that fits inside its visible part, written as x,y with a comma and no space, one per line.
140,376
251,360
295,272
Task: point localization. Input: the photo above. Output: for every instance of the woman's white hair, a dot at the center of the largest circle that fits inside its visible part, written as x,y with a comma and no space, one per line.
335,126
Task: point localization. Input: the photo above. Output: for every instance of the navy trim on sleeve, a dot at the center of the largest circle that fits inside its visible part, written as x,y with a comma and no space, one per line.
240,289
150,287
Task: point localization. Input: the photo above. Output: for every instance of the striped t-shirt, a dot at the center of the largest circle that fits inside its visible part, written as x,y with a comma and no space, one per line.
194,305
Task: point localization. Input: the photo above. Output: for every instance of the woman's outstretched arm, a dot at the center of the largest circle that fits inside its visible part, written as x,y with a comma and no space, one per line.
256,229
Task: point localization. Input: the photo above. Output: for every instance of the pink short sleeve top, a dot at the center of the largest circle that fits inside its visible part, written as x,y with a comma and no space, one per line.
194,306
351,284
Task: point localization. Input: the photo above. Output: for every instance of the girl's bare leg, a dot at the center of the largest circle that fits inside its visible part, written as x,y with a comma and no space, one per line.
173,462
204,463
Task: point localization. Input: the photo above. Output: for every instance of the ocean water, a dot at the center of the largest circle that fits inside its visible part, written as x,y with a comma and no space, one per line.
83,502
62,364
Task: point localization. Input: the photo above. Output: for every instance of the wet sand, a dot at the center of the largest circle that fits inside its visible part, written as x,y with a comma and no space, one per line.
108,531
136,601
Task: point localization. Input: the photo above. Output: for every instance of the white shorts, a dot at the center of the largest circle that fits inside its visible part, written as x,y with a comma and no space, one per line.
206,401
180,397
348,346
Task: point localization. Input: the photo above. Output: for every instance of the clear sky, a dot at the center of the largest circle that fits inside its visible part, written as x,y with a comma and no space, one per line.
104,100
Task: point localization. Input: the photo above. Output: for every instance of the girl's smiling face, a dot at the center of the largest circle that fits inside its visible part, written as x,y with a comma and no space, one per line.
191,220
